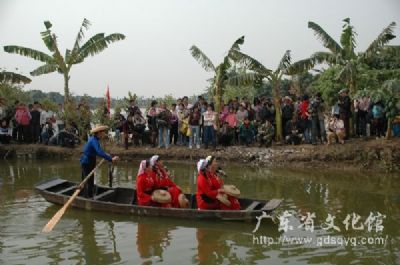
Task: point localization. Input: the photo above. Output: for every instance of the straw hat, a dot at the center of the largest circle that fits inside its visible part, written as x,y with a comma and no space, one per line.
161,196
99,128
231,190
223,198
183,201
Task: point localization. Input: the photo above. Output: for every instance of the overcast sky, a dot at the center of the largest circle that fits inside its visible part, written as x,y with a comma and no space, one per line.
154,59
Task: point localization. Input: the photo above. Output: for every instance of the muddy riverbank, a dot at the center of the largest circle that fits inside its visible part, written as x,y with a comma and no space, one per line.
356,154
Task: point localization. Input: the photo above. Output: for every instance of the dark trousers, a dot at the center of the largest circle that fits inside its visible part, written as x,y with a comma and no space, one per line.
174,133
209,135
346,122
88,190
284,122
378,127
5,139
35,132
361,123
23,133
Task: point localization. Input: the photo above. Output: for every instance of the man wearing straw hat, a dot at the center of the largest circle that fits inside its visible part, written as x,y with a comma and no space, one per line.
88,159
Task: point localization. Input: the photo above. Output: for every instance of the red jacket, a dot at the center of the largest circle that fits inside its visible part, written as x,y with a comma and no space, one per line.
22,116
145,185
164,181
163,178
208,186
211,184
303,107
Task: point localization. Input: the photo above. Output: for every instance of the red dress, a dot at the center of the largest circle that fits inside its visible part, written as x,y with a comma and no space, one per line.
235,205
164,181
209,185
145,185
207,190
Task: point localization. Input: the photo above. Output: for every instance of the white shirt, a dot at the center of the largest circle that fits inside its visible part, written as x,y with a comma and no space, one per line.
209,118
44,115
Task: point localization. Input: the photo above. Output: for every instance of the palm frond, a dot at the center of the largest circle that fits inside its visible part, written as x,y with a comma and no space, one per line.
383,38
307,64
326,40
250,63
45,69
114,37
284,62
85,26
67,57
300,66
14,78
48,38
241,79
27,52
77,57
394,50
347,39
237,43
95,45
325,57
202,59
347,72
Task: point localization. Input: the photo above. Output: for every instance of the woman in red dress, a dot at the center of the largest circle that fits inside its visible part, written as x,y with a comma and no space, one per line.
145,185
206,195
209,186
160,173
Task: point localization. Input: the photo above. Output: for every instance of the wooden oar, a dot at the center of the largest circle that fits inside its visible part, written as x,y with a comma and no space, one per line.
110,175
56,218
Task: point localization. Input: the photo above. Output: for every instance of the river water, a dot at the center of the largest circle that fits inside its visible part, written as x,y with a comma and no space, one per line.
83,237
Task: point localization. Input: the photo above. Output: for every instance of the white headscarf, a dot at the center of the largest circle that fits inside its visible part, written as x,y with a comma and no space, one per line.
208,160
142,167
201,164
153,160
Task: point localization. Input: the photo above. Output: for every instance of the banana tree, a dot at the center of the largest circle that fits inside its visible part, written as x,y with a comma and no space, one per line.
343,54
389,94
274,77
55,61
13,78
6,81
222,73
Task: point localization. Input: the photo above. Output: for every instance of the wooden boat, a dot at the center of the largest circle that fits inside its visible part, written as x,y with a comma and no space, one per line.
123,201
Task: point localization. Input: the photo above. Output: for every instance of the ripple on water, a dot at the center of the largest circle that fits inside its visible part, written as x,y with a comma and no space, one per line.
101,238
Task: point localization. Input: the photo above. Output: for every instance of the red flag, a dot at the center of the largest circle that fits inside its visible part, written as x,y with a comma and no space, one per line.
108,100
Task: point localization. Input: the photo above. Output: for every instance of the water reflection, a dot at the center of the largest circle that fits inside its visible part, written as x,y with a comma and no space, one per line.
98,241
211,246
152,240
84,237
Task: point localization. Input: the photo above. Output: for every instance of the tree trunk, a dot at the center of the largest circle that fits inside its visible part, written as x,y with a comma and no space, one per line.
353,90
217,98
278,115
66,88
389,129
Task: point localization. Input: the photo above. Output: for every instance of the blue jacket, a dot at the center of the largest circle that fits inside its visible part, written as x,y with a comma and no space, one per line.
91,149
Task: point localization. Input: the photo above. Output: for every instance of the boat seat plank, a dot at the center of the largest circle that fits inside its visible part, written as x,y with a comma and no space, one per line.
272,204
252,206
73,187
104,194
51,184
